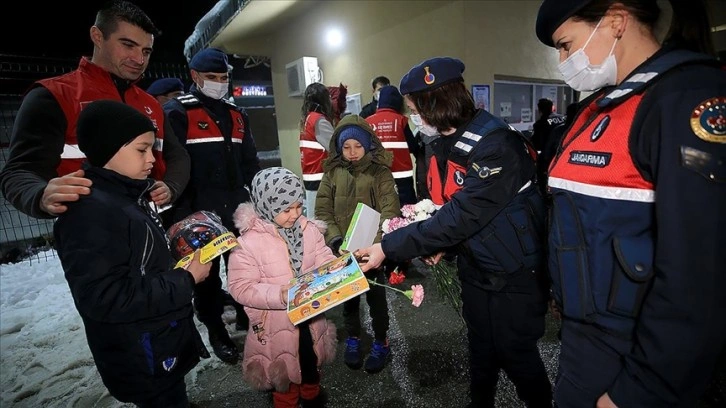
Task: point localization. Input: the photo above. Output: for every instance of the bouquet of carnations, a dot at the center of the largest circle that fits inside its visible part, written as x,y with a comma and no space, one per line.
444,271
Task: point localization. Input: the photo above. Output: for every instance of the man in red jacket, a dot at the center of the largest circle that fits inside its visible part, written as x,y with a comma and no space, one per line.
391,127
43,171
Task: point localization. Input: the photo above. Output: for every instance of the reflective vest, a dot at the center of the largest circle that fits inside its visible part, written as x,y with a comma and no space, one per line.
601,239
442,186
89,83
389,126
201,128
312,153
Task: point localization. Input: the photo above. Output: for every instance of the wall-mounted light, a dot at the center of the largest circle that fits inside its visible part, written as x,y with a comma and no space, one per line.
334,37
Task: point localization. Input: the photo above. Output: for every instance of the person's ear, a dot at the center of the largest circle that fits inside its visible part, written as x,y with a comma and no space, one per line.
96,36
197,78
618,21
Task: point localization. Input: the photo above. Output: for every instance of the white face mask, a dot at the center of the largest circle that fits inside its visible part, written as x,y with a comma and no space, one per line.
215,90
376,94
416,119
424,128
582,76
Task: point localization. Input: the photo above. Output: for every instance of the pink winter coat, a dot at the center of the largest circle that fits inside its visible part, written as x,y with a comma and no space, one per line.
258,268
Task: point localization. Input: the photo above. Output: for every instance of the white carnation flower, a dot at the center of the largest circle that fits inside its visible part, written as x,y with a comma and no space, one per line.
426,206
384,226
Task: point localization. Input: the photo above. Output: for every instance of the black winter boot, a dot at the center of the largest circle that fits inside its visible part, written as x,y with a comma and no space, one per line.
224,348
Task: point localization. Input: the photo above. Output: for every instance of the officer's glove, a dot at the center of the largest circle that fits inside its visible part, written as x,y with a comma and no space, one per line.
335,244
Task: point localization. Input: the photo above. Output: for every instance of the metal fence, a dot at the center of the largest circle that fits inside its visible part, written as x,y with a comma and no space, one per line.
21,236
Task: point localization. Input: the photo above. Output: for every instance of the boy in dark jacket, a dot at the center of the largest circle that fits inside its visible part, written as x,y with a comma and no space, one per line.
357,171
136,309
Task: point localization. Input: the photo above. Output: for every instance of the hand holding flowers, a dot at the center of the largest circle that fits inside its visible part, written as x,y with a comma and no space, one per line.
444,272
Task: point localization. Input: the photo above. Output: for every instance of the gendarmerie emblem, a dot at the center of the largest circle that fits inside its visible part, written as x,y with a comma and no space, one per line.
708,120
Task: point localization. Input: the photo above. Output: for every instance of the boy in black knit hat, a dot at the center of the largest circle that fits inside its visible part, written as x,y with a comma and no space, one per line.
136,310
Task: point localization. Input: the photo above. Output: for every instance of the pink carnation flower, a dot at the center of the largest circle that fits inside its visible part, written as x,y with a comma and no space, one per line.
416,294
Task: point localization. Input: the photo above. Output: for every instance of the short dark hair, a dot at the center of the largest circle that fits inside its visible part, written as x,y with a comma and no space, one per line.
112,12
448,106
544,105
383,81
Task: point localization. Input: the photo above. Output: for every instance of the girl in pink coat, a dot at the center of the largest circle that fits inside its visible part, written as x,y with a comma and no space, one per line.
276,244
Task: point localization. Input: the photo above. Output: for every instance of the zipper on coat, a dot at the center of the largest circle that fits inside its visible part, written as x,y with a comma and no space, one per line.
147,250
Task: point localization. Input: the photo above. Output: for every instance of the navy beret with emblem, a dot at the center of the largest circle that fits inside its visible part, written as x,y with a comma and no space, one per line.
431,74
551,15
210,60
165,85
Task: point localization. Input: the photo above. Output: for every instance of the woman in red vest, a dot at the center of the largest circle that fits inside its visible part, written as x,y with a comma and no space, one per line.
316,130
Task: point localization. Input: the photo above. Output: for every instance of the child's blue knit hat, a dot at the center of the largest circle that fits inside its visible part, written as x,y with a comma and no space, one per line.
357,133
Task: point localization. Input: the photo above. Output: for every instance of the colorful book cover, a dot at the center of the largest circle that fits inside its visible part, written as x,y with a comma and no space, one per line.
325,287
217,247
363,228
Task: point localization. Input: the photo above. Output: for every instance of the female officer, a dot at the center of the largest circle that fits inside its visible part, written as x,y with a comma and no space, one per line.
637,232
493,218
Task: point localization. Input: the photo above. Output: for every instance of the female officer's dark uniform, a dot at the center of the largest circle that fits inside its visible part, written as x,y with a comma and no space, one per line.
493,219
636,246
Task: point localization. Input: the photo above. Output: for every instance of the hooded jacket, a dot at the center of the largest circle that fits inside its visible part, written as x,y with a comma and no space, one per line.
392,129
345,184
258,268
136,309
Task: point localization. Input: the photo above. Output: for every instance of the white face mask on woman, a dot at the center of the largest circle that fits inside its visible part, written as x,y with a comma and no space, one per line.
214,89
424,128
582,76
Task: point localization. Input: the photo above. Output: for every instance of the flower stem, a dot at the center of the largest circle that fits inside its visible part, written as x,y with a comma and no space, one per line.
372,282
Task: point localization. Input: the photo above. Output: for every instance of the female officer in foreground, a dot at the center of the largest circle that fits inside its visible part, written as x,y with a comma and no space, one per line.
636,246
493,218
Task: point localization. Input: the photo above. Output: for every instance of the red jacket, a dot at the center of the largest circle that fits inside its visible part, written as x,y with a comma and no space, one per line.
389,126
89,83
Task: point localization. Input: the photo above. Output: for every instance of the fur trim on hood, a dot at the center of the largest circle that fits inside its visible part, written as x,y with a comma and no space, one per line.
377,152
245,217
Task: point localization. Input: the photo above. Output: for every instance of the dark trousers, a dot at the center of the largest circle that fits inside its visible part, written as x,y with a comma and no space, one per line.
376,298
174,397
503,329
406,190
590,359
209,297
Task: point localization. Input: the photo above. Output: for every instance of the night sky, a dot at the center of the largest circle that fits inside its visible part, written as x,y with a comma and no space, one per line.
61,28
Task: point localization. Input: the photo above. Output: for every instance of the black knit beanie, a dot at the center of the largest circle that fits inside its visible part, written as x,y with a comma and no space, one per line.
105,126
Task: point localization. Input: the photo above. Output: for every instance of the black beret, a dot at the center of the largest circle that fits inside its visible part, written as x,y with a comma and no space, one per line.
104,126
431,74
552,13
210,60
165,85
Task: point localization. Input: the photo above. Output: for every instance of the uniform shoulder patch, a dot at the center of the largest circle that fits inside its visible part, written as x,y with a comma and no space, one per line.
188,100
708,120
484,171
